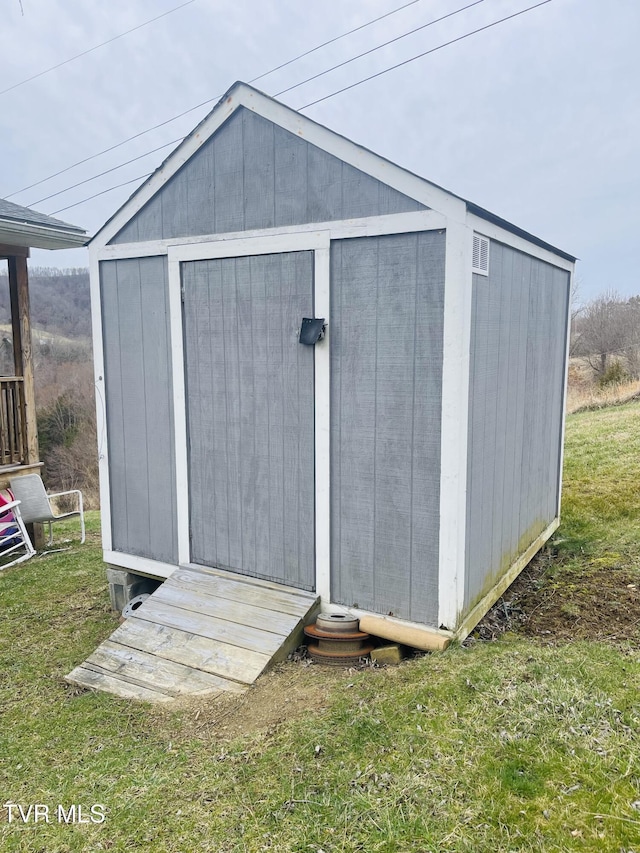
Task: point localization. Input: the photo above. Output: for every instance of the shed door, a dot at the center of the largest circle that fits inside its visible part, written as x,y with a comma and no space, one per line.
250,408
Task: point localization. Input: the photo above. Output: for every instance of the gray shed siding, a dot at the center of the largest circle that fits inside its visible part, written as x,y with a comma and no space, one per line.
518,344
137,358
253,174
386,386
251,415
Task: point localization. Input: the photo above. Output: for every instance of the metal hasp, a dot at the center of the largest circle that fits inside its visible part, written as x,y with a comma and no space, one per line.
312,330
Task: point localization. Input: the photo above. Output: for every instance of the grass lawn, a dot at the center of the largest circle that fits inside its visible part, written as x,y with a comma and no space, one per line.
527,743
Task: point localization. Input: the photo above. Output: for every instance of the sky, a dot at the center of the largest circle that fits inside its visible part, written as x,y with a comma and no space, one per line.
536,119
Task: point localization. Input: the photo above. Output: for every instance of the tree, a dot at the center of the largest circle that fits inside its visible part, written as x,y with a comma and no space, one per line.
604,330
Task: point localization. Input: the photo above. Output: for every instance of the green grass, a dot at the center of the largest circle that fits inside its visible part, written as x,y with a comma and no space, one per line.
601,499
506,746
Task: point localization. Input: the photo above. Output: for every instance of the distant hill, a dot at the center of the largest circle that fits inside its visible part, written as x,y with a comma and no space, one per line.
60,302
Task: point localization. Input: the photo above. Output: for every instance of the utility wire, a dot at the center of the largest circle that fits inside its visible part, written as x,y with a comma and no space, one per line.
302,83
378,74
379,47
335,39
420,55
209,100
95,47
95,195
106,172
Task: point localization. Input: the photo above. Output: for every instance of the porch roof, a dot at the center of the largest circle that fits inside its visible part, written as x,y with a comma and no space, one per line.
21,226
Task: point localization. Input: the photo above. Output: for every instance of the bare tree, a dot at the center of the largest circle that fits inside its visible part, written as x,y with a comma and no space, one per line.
576,307
603,330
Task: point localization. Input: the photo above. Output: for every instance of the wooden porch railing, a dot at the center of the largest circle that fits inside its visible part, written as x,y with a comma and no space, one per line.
13,421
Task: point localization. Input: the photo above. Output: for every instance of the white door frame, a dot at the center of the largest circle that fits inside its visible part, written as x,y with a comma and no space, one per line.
319,243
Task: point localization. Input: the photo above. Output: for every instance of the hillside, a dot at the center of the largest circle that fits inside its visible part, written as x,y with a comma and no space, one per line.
60,300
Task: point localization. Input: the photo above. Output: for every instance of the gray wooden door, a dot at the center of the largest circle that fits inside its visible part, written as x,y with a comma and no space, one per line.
250,408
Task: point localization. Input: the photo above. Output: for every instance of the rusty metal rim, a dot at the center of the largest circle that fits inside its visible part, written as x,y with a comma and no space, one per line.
318,633
316,651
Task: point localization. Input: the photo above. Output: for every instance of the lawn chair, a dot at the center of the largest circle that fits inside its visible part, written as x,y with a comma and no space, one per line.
14,539
35,503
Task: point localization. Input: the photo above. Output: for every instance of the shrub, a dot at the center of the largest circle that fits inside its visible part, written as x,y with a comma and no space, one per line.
614,374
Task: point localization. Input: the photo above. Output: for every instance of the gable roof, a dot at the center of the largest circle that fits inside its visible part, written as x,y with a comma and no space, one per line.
21,226
242,95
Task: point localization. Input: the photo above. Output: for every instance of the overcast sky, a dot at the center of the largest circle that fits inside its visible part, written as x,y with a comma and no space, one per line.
536,119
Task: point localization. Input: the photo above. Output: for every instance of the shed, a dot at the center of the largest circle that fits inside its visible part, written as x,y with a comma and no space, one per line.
405,466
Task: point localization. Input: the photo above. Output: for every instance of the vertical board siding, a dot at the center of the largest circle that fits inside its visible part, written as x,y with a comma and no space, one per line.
386,387
253,174
250,404
518,338
139,407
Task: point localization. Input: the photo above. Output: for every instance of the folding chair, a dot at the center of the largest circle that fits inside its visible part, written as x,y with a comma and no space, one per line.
35,504
13,536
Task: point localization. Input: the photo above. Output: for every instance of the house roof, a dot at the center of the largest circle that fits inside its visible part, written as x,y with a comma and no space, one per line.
241,94
21,226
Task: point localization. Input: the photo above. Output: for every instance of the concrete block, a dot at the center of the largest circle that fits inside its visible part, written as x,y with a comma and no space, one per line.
124,585
388,655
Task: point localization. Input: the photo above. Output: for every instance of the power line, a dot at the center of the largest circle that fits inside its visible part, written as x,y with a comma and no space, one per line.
209,100
373,76
290,88
95,47
420,55
335,39
95,195
379,47
106,172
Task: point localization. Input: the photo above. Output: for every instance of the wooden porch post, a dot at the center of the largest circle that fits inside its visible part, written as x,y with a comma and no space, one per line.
22,349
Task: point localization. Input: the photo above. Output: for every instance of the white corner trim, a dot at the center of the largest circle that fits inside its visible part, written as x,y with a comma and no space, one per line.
287,118
341,229
454,424
179,409
501,235
141,565
100,399
564,393
322,413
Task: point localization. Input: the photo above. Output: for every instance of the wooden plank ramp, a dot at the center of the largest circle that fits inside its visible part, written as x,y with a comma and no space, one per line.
203,631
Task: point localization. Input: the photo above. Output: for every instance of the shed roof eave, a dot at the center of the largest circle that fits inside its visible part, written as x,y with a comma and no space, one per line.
519,232
39,236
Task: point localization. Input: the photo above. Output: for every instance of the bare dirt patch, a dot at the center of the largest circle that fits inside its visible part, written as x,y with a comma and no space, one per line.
291,690
598,602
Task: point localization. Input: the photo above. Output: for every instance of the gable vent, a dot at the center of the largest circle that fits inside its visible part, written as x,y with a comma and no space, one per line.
480,262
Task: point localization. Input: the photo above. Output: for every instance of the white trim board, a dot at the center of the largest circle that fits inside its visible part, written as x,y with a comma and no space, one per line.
564,394
454,436
339,229
179,408
140,565
501,235
101,399
322,414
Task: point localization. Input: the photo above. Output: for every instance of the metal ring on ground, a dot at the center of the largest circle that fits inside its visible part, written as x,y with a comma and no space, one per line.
337,623
130,608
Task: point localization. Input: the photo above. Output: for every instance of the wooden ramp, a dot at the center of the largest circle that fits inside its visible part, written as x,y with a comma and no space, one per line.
202,631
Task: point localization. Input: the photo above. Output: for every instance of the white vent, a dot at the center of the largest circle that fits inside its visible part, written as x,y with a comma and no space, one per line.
480,255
